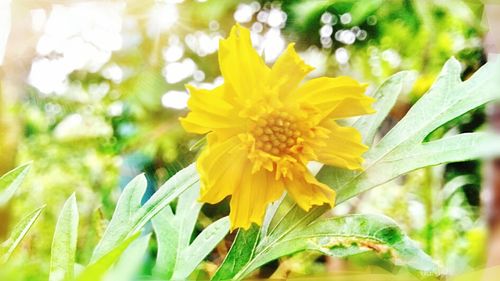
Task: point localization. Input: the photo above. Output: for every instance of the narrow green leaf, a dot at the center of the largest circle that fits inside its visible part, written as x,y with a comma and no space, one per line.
97,269
239,255
127,205
130,262
169,191
173,232
385,96
167,237
174,187
454,184
186,213
10,182
343,236
64,242
18,234
177,258
204,243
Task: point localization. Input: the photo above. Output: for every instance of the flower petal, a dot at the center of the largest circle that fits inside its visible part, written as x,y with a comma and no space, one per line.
343,148
209,111
338,98
288,72
220,166
243,69
250,199
308,192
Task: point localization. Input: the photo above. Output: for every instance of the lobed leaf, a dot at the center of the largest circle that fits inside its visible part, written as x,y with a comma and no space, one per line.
385,97
128,204
177,258
173,232
129,218
201,247
448,99
168,241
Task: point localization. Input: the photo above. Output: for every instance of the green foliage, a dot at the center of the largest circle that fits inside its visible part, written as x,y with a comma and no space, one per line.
17,235
120,238
130,216
403,149
346,236
131,260
177,258
96,270
10,182
240,253
62,260
428,29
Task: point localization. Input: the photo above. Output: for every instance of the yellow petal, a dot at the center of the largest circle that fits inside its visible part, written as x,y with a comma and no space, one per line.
339,97
250,199
243,69
209,111
343,148
288,72
220,166
308,192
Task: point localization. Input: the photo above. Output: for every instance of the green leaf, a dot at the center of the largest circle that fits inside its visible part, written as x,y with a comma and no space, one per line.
177,258
347,235
448,99
97,269
18,234
200,248
62,259
385,96
117,232
128,204
304,13
167,238
454,184
10,182
173,232
239,255
361,10
130,261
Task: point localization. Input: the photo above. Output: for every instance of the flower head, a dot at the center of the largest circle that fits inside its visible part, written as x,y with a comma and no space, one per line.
263,126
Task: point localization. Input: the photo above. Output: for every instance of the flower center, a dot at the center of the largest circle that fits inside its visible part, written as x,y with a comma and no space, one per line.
276,133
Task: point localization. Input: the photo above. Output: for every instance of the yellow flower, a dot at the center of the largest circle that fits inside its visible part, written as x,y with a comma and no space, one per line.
264,126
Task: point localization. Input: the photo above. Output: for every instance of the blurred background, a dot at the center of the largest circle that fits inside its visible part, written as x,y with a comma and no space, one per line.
91,93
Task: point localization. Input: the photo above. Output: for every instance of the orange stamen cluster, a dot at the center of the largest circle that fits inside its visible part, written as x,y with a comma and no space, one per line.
276,133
